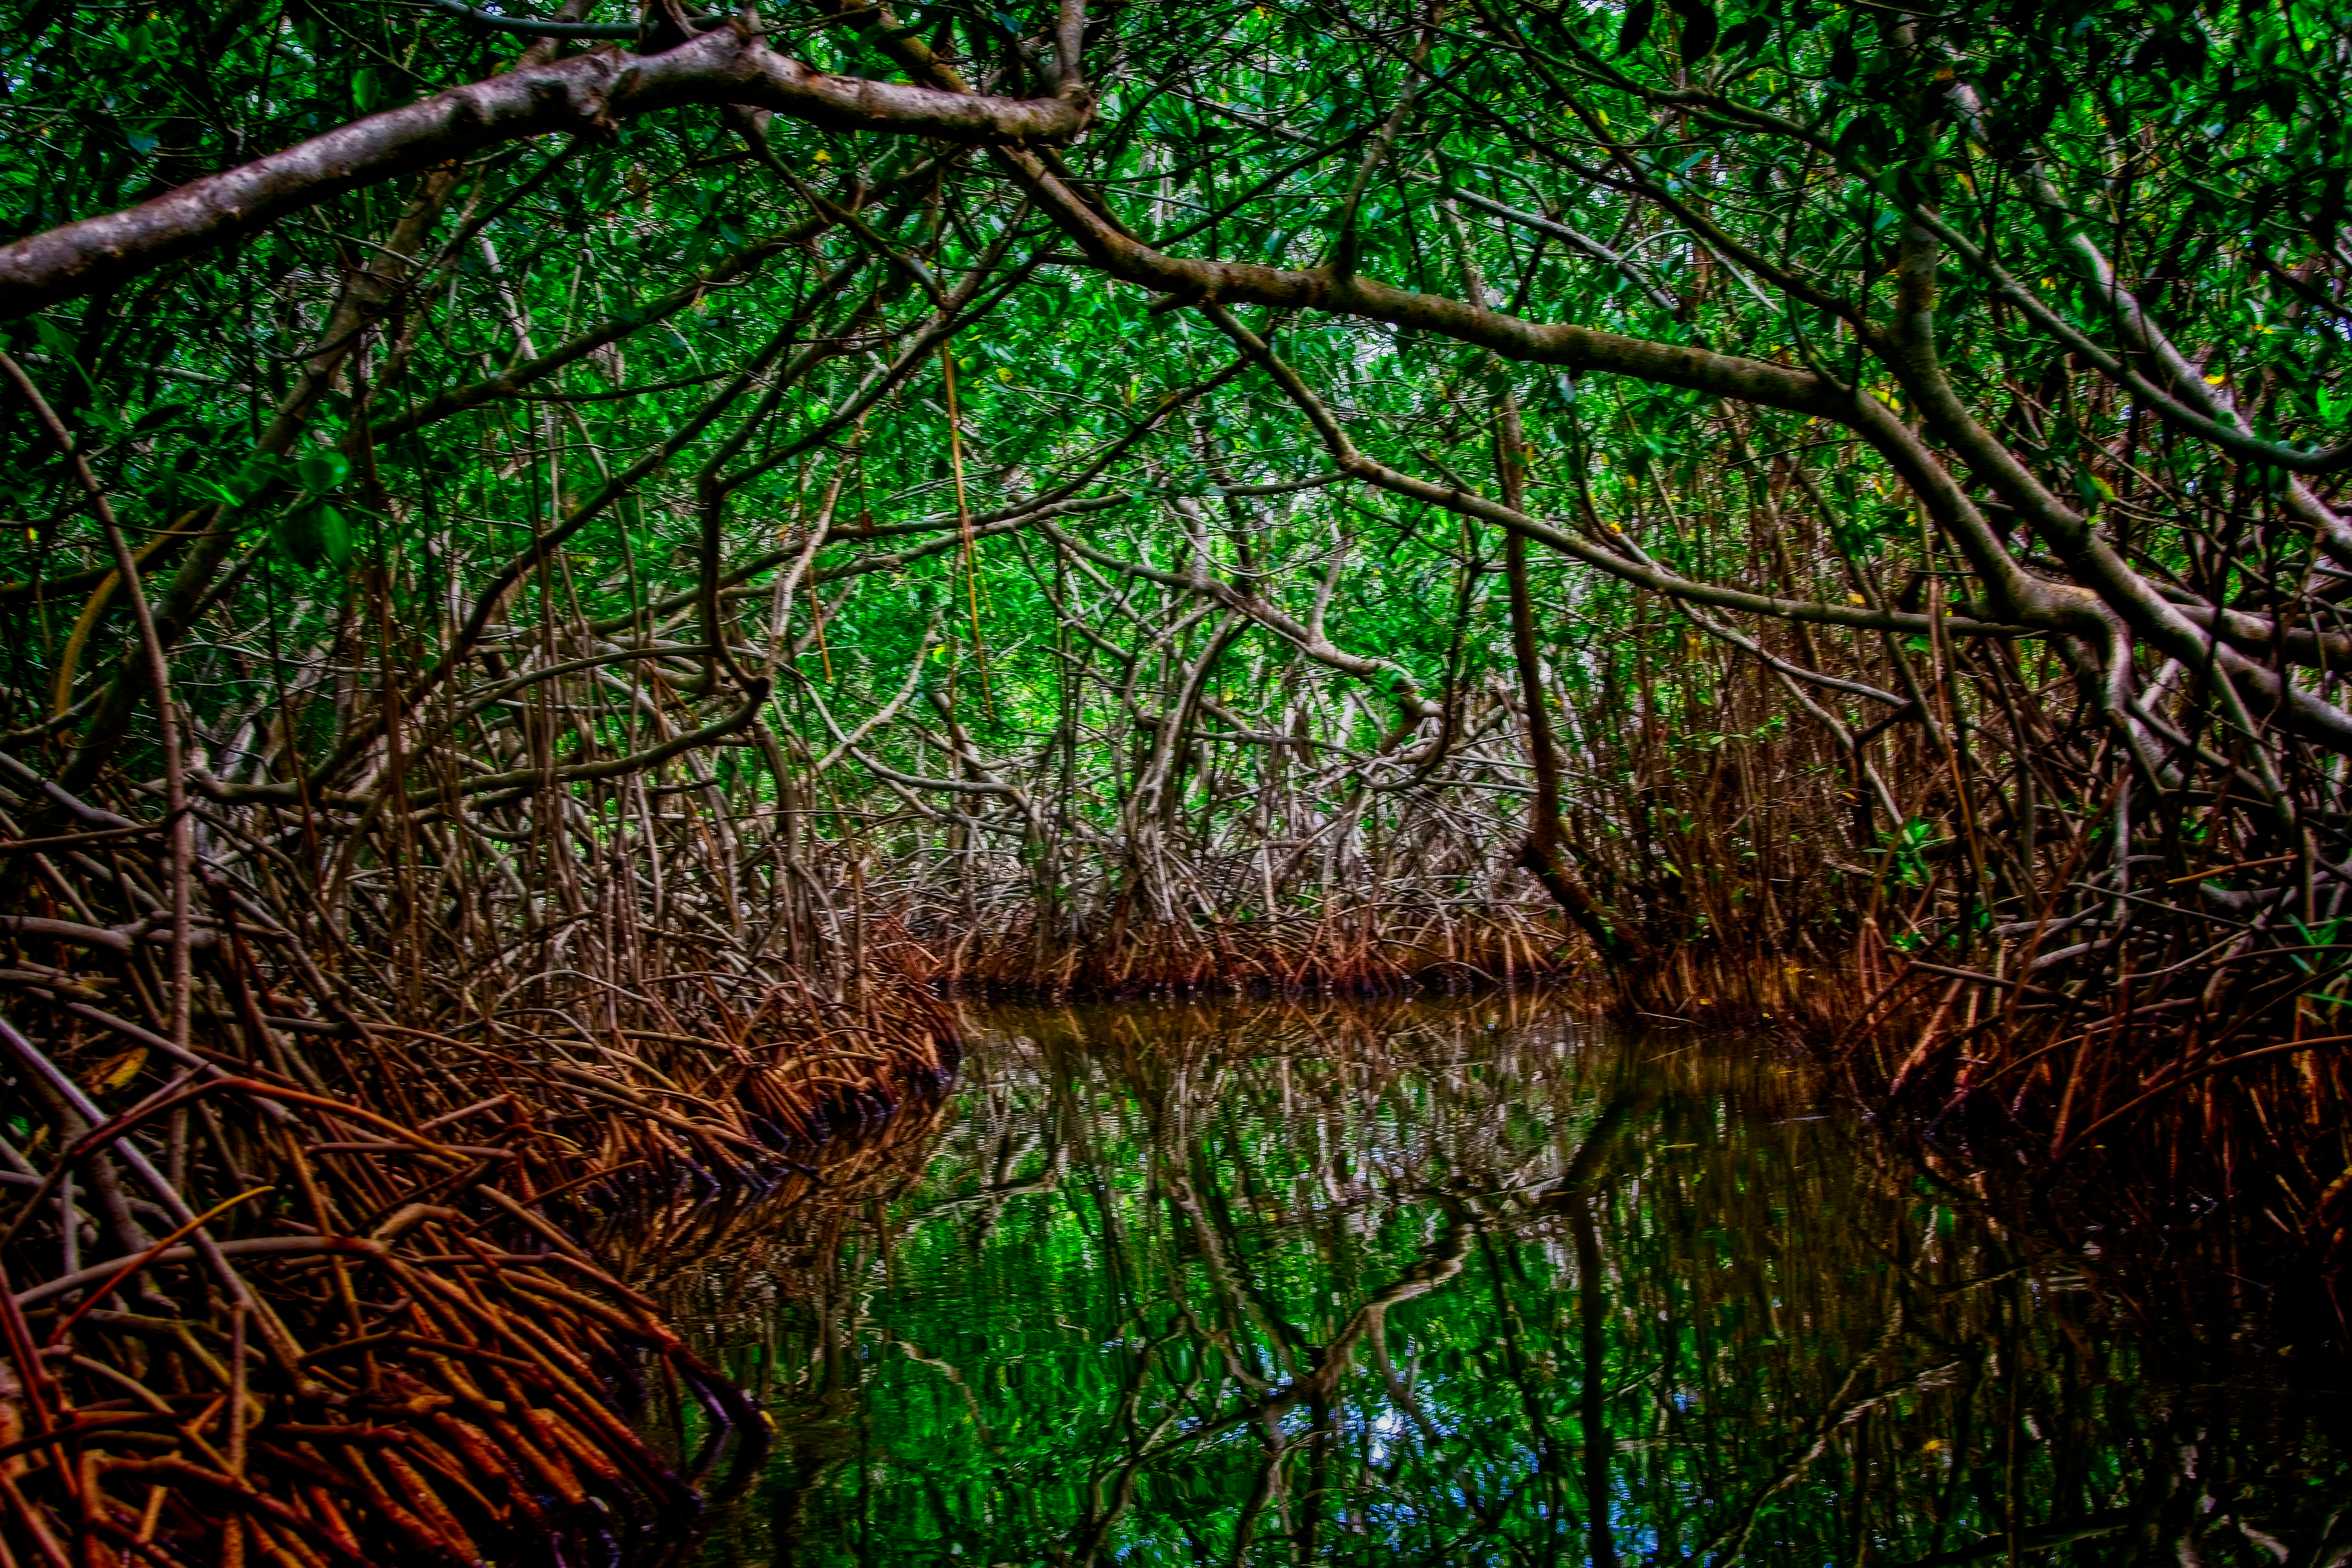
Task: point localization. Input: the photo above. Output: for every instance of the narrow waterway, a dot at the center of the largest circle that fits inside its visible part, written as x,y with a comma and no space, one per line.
1465,1284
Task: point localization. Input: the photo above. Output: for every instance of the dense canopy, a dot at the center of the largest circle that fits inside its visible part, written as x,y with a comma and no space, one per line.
1107,449
1111,476
563,574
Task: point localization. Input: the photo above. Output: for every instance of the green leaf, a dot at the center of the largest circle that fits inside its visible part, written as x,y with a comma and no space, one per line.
161,416
257,474
1699,29
1637,25
56,340
184,488
296,536
1745,37
1844,64
336,536
321,471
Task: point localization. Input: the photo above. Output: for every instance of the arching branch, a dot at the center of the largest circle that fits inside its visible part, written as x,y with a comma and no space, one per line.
586,95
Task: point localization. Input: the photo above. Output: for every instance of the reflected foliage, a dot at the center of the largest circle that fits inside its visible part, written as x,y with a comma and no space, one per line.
1470,1285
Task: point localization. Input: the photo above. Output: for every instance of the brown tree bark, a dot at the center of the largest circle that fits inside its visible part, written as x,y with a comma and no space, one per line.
586,95
1544,854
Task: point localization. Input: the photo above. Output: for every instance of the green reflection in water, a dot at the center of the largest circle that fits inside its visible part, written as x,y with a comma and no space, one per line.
1471,1284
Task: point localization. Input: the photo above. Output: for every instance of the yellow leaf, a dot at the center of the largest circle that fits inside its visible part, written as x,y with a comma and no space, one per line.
2215,380
117,1070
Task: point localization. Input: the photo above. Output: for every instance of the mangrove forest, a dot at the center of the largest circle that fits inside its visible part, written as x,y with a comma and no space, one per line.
1030,782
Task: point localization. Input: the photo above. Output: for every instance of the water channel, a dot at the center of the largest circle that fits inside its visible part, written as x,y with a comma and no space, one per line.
1478,1283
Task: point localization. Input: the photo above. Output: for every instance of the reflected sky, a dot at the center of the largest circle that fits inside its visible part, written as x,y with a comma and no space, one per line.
1466,1284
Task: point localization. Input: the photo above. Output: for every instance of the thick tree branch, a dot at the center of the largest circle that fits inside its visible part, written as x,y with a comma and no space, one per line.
1352,460
1113,250
584,95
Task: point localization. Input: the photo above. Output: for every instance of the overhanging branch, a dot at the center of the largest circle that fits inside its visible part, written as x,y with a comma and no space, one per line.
586,95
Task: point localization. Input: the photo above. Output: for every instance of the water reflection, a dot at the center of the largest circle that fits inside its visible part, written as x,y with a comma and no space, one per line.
1465,1284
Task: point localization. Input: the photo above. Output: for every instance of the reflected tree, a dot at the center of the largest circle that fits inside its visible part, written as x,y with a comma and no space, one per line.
1323,1287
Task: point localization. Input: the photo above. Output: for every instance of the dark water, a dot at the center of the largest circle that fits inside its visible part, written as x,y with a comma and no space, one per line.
1475,1284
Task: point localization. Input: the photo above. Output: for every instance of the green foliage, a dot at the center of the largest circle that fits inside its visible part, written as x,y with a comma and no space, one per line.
664,350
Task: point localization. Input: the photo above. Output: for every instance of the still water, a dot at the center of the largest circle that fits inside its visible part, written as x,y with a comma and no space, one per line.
1470,1284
